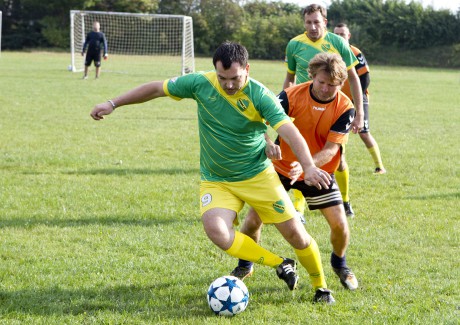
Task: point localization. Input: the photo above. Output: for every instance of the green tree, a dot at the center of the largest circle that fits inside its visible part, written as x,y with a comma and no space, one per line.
394,23
37,23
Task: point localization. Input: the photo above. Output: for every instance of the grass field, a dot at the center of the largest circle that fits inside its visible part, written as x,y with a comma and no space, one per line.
99,221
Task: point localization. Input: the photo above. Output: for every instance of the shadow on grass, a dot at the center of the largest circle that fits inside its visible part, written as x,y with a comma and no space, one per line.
168,300
128,220
159,301
135,171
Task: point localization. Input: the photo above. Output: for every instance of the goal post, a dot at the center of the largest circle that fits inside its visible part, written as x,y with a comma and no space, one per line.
137,43
1,21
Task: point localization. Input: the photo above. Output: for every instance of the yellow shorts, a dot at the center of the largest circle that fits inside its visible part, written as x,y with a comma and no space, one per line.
264,192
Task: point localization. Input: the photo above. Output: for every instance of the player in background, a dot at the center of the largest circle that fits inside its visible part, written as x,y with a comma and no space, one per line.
96,42
323,115
299,51
362,68
234,168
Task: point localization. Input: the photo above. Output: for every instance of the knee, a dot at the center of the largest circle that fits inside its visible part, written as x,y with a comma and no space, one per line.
340,229
296,235
253,224
218,231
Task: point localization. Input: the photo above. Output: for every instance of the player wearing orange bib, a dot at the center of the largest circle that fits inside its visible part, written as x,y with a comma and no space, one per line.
324,115
299,51
362,68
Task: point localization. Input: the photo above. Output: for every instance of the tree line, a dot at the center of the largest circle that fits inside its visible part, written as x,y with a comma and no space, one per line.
263,27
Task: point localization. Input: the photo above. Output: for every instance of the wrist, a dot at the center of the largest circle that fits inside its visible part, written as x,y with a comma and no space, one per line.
112,103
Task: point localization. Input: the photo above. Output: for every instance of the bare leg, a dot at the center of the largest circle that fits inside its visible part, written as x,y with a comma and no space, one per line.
252,225
338,223
368,139
218,225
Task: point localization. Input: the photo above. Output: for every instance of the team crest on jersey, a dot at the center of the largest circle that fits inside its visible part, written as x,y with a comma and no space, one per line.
279,206
242,104
326,47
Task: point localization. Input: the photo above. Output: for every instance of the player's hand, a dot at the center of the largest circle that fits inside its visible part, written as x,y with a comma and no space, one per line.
295,172
100,110
273,151
357,124
314,176
106,56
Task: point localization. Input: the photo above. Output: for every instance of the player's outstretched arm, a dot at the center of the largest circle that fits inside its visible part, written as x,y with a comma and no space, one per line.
137,95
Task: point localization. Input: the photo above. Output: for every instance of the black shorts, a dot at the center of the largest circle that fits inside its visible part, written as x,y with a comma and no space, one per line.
365,129
93,56
316,199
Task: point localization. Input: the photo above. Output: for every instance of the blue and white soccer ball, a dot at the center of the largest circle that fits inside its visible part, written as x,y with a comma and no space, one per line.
228,296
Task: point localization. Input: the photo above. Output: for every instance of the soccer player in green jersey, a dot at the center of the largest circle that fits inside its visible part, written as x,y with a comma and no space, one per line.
299,51
234,168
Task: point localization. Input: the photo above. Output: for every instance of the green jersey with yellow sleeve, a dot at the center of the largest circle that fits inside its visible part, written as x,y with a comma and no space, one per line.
300,50
231,127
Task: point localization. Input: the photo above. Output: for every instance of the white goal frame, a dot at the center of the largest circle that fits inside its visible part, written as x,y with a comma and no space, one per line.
165,38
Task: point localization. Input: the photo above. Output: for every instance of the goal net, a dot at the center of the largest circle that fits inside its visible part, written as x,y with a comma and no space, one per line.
137,43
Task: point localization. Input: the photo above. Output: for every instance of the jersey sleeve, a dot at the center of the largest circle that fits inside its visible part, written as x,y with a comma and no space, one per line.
104,40
284,101
272,110
180,87
347,54
362,67
86,43
289,58
341,127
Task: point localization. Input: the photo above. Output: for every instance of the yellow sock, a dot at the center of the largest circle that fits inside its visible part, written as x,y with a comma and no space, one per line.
245,248
310,258
375,153
343,179
299,201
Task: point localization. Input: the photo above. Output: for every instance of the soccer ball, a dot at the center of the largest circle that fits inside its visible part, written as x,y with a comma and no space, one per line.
228,296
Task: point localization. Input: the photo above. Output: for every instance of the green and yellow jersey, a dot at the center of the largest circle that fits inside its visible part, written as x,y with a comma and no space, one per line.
231,127
300,50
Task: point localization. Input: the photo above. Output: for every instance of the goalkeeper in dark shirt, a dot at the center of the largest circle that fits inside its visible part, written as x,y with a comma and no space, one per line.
95,42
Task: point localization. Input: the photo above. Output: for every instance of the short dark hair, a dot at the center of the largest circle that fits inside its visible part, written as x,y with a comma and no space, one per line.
313,8
230,52
340,25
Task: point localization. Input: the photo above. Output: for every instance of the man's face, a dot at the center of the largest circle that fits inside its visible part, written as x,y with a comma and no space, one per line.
315,25
324,88
343,32
232,79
